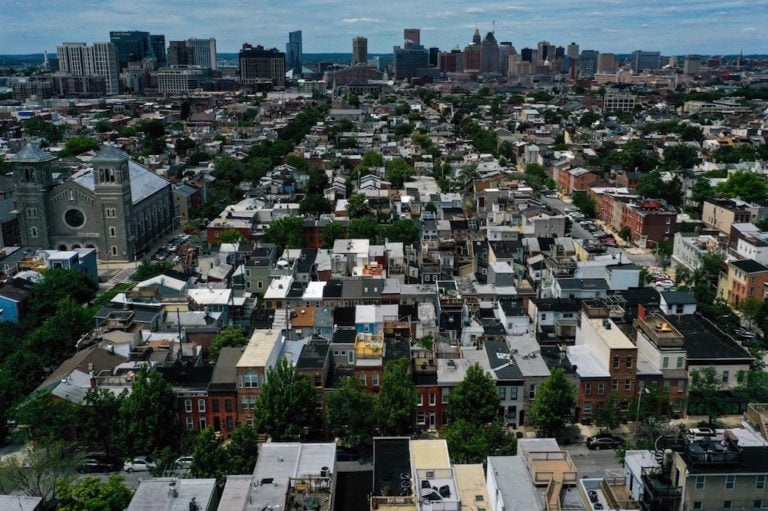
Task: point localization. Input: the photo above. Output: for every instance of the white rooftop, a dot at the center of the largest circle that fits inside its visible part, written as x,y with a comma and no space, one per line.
587,365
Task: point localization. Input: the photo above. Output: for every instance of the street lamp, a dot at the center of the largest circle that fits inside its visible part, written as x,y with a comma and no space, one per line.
645,390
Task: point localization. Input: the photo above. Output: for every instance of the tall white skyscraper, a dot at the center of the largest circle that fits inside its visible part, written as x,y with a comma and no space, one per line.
202,52
79,59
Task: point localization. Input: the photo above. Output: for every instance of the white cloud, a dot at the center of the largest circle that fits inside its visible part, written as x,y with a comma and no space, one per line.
749,29
360,21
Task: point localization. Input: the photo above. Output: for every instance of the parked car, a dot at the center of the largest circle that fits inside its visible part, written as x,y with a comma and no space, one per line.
98,463
139,464
596,443
183,462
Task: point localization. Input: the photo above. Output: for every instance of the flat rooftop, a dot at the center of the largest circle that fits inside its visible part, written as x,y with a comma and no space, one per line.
610,333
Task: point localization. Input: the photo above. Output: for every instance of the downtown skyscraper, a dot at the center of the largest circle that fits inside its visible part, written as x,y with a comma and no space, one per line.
294,53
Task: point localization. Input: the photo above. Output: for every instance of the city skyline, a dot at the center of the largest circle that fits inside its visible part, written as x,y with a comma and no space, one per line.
329,25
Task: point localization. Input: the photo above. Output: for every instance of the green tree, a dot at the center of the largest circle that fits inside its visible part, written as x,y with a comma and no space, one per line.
93,494
680,156
149,416
230,337
702,190
184,145
362,228
553,405
469,442
535,175
209,458
148,269
286,232
397,399
372,159
242,451
586,204
332,232
99,418
47,418
398,172
287,405
316,204
475,399
78,145
37,127
625,233
44,467
352,412
705,392
752,308
405,231
745,185
357,206
298,162
608,414
59,284
652,186
230,236
54,341
317,182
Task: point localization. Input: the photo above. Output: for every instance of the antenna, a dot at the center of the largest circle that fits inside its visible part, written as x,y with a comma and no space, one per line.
493,24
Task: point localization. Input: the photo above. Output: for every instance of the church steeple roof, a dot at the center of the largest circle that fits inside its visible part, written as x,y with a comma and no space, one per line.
109,153
32,153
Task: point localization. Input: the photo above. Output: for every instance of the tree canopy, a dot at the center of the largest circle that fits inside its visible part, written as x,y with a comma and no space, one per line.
397,399
286,232
149,416
398,172
475,399
404,230
357,206
352,412
553,405
745,185
230,337
93,494
287,405
78,145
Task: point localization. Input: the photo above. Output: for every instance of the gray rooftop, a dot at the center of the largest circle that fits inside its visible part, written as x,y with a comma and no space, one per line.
154,494
31,153
109,154
144,182
514,482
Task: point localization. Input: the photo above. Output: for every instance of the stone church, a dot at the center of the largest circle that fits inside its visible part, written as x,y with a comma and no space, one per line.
114,205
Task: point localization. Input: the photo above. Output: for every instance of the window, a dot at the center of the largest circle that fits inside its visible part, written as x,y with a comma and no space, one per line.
251,379
230,424
513,393
351,357
244,403
201,405
421,400
614,385
375,379
364,378
757,504
760,482
629,362
259,284
252,401
681,385
532,391
432,399
665,363
616,362
479,498
31,212
600,389
112,232
679,363
697,504
730,482
114,250
699,482
667,385
190,422
318,380
587,409
588,389
627,385
203,423
249,422
227,405
188,405
502,393
725,376
727,504
420,418
445,394
33,232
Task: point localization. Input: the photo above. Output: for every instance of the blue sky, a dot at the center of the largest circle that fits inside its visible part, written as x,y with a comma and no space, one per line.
672,27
